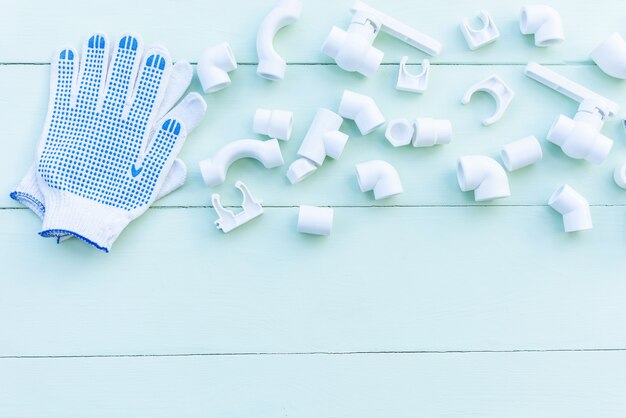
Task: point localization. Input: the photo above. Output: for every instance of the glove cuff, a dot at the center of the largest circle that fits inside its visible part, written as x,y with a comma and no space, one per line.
27,193
92,222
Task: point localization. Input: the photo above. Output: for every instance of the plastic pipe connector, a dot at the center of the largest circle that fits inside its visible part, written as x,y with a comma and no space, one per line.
323,137
521,153
379,176
300,169
500,92
429,132
478,37
542,21
610,56
213,67
574,208
227,219
271,65
362,110
315,220
414,83
214,169
619,175
273,123
484,176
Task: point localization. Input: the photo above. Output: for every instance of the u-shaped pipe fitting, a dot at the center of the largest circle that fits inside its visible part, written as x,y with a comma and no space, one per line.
574,208
379,176
542,21
213,67
610,56
214,169
484,176
362,110
271,65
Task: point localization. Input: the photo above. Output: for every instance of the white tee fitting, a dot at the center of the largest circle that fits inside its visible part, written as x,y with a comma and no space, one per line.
273,123
429,132
574,208
213,67
478,37
414,83
323,137
271,65
610,56
500,92
521,153
619,175
362,110
379,176
580,138
315,220
214,169
484,176
542,21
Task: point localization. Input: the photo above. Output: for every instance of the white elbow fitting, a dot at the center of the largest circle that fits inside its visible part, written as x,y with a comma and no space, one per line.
484,176
379,176
478,37
273,123
323,137
214,169
213,67
542,21
271,65
415,83
315,220
574,208
362,110
521,153
580,138
610,56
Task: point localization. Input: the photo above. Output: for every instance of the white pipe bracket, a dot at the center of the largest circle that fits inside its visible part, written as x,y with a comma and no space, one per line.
479,37
228,220
414,83
498,89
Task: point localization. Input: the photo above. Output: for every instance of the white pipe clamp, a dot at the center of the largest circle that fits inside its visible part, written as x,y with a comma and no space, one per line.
362,110
574,208
228,220
315,220
213,67
610,56
521,153
479,37
414,83
273,123
542,21
379,176
498,89
484,176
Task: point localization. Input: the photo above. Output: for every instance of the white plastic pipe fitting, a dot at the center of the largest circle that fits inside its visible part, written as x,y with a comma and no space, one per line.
400,132
213,67
414,83
484,176
362,110
521,153
496,88
379,176
352,50
227,220
300,169
619,175
323,137
271,65
214,169
315,220
574,208
542,21
423,132
610,56
273,123
479,37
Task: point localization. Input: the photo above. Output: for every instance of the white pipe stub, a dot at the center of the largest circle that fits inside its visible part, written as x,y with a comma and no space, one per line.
214,169
213,67
271,65
227,219
479,37
422,132
521,153
273,123
498,89
300,169
379,176
484,176
574,208
414,83
610,56
619,175
362,110
542,21
315,220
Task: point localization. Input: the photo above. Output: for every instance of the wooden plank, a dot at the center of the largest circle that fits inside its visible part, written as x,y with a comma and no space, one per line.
319,386
497,278
428,174
198,25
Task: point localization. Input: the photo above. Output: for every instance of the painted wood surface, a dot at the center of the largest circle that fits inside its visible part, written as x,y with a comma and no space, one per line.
425,304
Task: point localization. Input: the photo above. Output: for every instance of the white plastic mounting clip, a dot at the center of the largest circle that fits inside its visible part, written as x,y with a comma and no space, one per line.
227,220
498,89
415,83
478,37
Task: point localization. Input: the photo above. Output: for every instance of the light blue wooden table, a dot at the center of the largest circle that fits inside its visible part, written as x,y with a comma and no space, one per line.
423,305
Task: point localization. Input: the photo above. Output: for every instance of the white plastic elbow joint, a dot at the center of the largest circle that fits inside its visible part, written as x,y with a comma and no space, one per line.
610,56
362,110
542,21
574,208
213,67
484,176
379,176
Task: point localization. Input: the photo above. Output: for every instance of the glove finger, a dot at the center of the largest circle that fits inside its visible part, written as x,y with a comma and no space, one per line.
122,73
180,79
189,111
63,72
174,178
91,77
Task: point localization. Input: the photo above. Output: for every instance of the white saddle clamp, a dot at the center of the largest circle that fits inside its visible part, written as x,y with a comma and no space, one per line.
482,36
415,83
498,89
228,220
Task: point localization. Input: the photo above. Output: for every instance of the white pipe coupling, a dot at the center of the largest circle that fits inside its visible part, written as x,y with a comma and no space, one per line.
619,175
214,169
271,65
521,153
610,56
362,110
574,208
315,220
379,176
497,89
478,37
484,176
273,123
414,83
423,132
213,67
542,21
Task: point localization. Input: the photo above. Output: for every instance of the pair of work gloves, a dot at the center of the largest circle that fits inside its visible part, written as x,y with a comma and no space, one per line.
110,140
